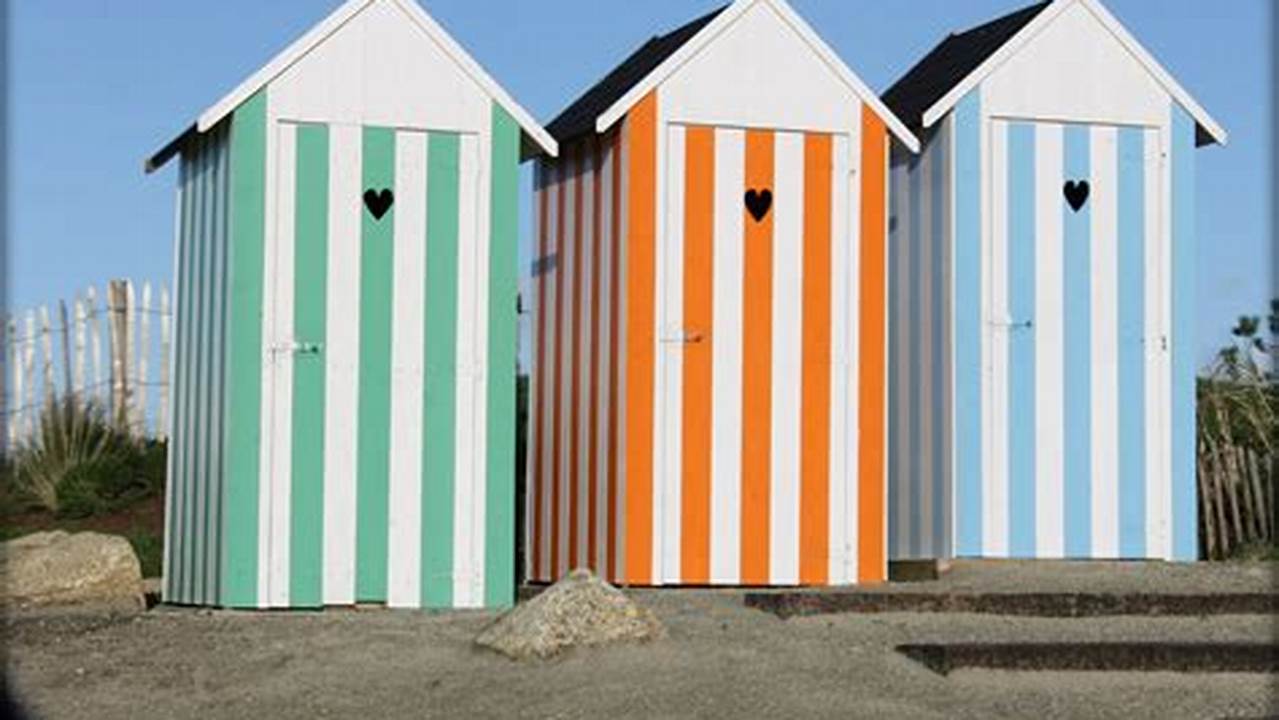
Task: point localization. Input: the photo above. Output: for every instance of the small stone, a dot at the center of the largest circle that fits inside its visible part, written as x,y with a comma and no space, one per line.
579,611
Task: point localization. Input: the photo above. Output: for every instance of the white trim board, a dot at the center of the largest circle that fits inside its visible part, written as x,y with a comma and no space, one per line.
715,28
325,29
1027,34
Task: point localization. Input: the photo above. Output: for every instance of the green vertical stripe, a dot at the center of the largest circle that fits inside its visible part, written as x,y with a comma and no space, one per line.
244,383
199,383
310,290
499,531
439,406
178,443
373,437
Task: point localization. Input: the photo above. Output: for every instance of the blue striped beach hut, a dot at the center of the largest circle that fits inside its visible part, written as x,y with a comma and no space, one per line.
1042,296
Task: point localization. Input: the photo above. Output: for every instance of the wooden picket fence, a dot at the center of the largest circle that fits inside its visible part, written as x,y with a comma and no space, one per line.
109,349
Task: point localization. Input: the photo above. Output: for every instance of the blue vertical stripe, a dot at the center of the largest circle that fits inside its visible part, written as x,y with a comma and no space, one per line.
1132,348
940,303
1021,339
968,325
1185,537
915,335
1077,266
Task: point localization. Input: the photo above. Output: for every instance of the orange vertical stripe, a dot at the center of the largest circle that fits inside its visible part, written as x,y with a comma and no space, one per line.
615,237
757,364
641,129
575,392
557,424
814,512
539,479
871,476
699,217
592,438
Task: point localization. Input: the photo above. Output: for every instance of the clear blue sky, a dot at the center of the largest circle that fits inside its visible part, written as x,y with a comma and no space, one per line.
99,84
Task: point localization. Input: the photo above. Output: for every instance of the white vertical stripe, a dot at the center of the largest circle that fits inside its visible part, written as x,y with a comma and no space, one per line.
1105,342
1165,331
468,376
728,267
1156,477
281,432
788,353
924,296
671,357
403,572
841,367
342,333
266,416
569,289
530,299
481,159
995,482
552,268
586,352
1049,332
902,283
602,355
851,155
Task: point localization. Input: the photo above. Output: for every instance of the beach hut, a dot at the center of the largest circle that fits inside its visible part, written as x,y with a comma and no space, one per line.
709,315
1042,352
344,374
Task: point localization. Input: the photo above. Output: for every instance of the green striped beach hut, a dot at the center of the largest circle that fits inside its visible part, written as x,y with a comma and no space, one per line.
343,425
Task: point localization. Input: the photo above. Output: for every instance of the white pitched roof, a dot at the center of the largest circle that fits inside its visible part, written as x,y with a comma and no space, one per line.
325,29
1026,34
725,19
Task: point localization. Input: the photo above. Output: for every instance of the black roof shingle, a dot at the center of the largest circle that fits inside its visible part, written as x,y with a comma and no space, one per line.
952,61
579,118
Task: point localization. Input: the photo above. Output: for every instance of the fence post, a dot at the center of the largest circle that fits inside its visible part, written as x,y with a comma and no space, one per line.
46,347
162,409
64,318
78,377
29,372
118,321
95,334
13,356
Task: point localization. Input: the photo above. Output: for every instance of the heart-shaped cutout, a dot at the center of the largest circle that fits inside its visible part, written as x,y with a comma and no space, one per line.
758,203
378,202
1076,193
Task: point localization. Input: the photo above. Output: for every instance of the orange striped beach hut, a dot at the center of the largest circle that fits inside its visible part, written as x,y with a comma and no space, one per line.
708,363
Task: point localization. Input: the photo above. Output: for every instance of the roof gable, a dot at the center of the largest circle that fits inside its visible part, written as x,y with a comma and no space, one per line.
331,27
936,72
663,56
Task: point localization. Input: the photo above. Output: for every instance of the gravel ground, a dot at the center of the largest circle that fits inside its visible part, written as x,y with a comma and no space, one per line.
720,660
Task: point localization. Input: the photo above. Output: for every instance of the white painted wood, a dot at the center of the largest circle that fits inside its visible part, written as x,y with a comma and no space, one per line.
481,198
788,354
391,16
585,352
785,49
404,527
995,482
131,356
842,246
728,269
280,306
1076,52
924,296
50,386
670,353
901,286
468,381
1105,341
1050,342
552,273
166,362
853,424
144,356
342,338
1156,476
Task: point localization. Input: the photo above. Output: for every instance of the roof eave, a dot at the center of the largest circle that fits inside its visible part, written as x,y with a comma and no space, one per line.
1214,131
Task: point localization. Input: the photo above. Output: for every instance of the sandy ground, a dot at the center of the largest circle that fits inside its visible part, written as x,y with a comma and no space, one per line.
721,660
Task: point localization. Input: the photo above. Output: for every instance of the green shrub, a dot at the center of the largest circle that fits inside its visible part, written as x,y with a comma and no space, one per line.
71,433
149,548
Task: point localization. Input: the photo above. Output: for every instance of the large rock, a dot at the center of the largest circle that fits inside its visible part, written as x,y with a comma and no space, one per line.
57,567
579,611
